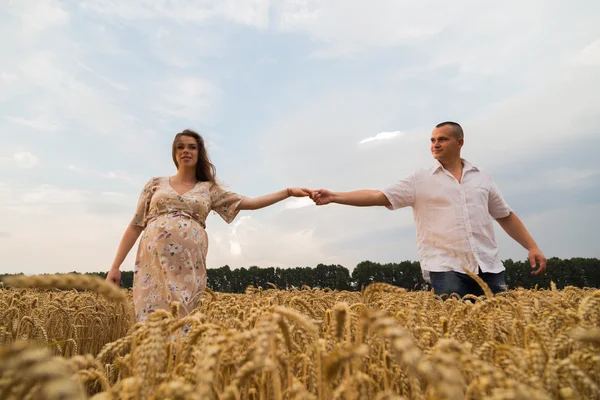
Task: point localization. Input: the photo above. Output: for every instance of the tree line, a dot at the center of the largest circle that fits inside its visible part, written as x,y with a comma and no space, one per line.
579,272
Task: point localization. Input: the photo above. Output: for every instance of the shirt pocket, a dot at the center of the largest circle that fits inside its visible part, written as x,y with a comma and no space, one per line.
478,196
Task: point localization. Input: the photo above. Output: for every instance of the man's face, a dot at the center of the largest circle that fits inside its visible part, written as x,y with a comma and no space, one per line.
444,144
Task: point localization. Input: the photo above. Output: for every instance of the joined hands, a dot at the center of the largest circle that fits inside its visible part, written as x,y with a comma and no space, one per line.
320,196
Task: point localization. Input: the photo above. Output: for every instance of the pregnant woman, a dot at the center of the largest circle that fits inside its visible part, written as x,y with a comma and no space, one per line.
171,212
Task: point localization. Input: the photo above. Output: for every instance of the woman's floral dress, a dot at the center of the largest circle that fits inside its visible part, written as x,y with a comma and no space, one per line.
170,263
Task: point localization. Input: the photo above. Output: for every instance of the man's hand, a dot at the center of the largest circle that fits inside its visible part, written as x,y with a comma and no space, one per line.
514,227
537,258
322,197
114,276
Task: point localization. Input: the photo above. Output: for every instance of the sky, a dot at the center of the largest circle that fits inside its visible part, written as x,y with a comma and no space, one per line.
339,94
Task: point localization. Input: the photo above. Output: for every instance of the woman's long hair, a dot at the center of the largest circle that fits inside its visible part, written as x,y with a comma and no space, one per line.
205,170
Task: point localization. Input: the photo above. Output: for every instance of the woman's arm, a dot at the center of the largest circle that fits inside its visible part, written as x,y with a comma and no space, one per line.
272,198
127,241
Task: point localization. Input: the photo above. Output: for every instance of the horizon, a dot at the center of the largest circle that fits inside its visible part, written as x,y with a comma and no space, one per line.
350,269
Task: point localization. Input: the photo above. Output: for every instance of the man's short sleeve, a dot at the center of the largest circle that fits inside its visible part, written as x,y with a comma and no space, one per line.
497,206
402,193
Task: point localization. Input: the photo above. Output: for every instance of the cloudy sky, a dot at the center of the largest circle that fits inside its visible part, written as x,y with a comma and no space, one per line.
340,94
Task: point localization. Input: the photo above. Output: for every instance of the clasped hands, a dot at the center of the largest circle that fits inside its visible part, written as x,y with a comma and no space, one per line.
320,196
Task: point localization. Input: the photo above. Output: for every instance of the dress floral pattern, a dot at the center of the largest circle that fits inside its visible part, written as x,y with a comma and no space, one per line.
170,262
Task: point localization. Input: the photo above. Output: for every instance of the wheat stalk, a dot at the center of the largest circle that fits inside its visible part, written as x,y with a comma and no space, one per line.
68,281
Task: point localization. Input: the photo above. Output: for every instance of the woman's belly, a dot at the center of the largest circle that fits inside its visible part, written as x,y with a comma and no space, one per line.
175,248
177,239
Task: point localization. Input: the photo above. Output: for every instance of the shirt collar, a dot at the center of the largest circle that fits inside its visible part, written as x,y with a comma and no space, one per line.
467,166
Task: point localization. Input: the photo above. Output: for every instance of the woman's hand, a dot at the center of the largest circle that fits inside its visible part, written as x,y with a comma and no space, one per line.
114,276
270,199
299,192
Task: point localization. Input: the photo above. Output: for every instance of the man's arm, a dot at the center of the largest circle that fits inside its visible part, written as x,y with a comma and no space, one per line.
514,227
358,198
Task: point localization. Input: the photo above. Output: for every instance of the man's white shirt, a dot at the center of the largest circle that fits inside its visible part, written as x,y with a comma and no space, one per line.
454,221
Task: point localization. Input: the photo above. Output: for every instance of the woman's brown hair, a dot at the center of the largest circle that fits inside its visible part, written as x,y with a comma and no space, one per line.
205,170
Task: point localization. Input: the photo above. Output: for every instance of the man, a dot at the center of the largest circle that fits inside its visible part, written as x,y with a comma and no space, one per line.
452,203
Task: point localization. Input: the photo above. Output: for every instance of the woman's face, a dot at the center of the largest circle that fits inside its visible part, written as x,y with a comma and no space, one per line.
186,152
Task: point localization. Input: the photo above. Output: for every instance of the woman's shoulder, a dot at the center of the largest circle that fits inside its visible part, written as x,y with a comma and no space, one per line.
155,181
210,184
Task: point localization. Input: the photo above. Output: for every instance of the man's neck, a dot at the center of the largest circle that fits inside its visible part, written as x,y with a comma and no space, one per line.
453,166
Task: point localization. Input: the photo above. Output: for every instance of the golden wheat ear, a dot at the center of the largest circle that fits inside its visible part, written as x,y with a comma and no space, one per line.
29,371
486,289
68,281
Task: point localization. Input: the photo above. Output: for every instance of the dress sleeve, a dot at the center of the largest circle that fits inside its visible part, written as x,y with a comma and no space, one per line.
224,202
140,217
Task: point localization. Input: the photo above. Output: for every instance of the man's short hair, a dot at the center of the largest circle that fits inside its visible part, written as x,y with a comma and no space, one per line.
456,128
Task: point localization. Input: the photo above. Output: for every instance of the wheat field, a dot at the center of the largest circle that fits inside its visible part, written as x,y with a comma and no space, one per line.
74,337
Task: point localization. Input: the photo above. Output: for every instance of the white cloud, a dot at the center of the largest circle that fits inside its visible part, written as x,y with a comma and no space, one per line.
7,77
572,177
188,98
552,229
116,85
162,32
26,160
8,83
235,248
75,169
268,238
117,198
240,220
327,156
346,27
180,33
116,175
49,194
5,190
480,42
34,20
110,175
253,13
300,202
38,123
64,238
381,136
54,94
561,105
590,55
